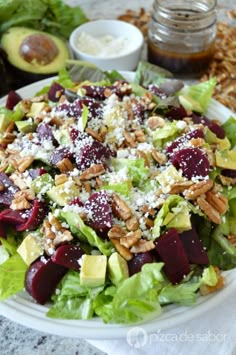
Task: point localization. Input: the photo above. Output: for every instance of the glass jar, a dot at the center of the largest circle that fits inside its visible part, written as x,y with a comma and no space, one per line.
181,35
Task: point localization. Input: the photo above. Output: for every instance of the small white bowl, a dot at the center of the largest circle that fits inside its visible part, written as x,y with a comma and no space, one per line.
117,29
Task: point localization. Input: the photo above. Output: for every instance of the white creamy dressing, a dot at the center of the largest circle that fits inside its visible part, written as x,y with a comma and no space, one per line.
105,46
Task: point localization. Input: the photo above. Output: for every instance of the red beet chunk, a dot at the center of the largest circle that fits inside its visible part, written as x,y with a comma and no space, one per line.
135,265
93,153
192,162
7,195
99,211
68,256
171,251
44,132
77,135
42,278
217,129
13,217
156,91
176,113
12,100
197,133
77,202
94,91
59,154
229,172
55,92
193,248
36,216
200,119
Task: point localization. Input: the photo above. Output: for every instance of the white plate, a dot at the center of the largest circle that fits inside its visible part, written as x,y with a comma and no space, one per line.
22,309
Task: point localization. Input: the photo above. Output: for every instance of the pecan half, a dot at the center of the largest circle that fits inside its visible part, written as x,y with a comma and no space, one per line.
159,157
92,172
122,250
142,246
180,187
218,201
116,232
209,210
131,238
120,208
155,122
227,181
65,165
24,163
198,189
132,223
144,156
93,134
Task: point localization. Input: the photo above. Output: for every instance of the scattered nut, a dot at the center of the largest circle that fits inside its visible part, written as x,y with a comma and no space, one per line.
92,172
142,246
120,208
198,189
65,165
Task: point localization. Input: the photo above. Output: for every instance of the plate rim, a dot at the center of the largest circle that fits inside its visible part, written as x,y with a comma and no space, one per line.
19,307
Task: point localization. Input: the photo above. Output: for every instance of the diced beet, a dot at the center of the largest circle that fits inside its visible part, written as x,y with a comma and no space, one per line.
7,195
182,140
135,264
59,154
200,119
76,201
68,255
95,91
93,153
217,129
34,173
176,113
229,172
42,278
12,100
193,247
13,217
55,91
171,251
36,216
77,135
44,132
156,91
99,211
192,162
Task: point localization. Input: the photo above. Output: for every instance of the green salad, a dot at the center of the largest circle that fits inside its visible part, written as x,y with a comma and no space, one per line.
117,198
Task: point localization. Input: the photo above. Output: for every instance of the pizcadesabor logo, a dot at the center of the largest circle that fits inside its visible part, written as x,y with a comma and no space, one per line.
137,337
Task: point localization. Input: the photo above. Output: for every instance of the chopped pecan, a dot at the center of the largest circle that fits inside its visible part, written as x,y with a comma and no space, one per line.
18,180
232,239
197,142
180,187
20,203
132,223
130,141
148,222
24,163
123,251
198,189
140,136
10,127
87,186
7,138
206,289
155,122
60,179
209,210
65,165
120,208
99,182
116,232
148,210
92,172
159,157
218,201
142,246
93,134
25,193
227,181
102,133
144,156
131,238
2,186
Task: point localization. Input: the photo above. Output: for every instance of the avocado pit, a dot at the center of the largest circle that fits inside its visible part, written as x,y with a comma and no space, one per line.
38,47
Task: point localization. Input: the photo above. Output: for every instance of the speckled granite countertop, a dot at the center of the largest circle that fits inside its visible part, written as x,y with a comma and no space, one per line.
16,339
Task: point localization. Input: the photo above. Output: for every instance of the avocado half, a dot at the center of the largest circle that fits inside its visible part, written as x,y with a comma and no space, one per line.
33,55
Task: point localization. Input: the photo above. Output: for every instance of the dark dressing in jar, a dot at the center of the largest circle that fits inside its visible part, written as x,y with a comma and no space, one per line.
181,35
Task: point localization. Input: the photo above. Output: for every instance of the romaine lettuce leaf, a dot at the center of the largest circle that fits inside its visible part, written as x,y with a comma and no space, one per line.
122,188
209,276
230,130
197,97
86,233
137,170
135,299
12,276
73,301
147,73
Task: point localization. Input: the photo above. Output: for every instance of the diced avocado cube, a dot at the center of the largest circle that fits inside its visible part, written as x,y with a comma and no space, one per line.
181,221
62,136
42,183
226,159
64,193
26,126
30,249
36,108
117,268
4,122
169,176
93,270
211,137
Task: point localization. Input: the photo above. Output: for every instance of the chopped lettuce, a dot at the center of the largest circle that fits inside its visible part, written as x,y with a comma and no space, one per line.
209,276
122,188
147,73
71,300
12,276
183,293
165,134
135,299
197,97
137,170
86,233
